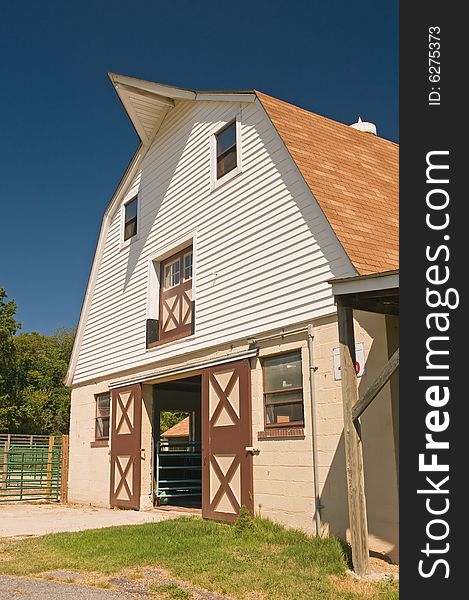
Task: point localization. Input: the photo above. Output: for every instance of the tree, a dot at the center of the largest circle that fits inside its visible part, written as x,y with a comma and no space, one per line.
42,364
33,398
170,418
8,328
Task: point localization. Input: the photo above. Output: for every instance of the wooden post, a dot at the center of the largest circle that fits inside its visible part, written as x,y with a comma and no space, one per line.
376,386
49,464
64,470
353,449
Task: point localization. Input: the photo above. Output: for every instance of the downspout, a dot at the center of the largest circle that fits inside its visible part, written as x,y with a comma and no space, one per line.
312,369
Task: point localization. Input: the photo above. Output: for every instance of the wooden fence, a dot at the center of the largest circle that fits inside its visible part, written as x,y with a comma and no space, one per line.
33,467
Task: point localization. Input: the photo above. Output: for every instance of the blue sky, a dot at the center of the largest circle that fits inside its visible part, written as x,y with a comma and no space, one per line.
65,140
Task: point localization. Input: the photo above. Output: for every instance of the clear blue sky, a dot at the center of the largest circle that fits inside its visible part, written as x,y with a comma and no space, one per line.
65,140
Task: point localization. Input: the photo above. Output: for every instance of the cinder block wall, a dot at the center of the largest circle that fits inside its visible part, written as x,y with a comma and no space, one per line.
89,469
283,470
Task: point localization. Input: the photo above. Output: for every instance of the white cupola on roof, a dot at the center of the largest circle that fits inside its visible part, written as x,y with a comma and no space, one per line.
365,126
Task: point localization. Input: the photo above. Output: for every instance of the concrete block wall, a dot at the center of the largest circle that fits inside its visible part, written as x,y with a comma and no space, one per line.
89,470
283,469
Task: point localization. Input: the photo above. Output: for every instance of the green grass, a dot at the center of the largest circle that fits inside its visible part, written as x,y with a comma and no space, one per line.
264,560
170,591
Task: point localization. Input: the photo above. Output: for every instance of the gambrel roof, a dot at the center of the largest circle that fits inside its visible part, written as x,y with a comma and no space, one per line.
353,175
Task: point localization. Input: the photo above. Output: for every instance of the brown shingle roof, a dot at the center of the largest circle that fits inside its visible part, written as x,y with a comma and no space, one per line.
354,177
181,429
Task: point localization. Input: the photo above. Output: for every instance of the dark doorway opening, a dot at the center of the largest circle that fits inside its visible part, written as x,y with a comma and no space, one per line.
177,442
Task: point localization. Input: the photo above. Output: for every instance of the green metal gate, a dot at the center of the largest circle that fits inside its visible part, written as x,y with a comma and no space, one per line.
31,467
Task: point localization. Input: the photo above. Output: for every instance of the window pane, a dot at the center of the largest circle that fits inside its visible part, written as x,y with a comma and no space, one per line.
130,225
188,266
130,229
102,405
102,427
226,138
131,210
167,276
283,372
226,162
284,414
172,274
284,397
175,275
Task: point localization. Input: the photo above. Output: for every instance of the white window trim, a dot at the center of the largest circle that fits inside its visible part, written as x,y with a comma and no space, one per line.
214,182
134,238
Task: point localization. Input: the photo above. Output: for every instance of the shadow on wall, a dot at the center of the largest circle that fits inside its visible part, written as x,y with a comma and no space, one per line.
379,457
155,182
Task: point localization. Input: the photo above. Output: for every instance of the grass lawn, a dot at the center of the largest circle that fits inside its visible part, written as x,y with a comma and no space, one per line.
253,560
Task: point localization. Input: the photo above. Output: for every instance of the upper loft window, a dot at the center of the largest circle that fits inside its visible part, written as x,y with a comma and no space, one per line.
226,150
176,304
130,219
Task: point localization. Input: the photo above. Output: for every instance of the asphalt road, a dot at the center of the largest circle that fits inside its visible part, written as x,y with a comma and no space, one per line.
37,589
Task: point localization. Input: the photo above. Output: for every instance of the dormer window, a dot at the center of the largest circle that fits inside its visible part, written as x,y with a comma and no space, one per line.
130,219
226,149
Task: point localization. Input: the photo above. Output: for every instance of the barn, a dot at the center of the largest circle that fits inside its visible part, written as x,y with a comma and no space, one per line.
246,242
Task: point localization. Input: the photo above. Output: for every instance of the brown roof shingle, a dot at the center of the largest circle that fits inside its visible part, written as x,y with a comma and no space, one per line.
353,175
181,429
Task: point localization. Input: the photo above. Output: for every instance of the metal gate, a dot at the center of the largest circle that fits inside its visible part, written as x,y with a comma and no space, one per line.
31,467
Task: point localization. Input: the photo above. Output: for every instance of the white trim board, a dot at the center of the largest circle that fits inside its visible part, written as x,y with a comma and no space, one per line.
354,285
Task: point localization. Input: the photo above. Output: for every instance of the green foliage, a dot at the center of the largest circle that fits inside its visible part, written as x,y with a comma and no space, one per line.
245,521
8,327
33,398
170,418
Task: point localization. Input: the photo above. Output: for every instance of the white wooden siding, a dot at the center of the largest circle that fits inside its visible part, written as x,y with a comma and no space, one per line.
264,250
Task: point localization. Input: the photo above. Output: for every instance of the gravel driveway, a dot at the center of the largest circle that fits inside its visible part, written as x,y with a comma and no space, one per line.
68,585
29,589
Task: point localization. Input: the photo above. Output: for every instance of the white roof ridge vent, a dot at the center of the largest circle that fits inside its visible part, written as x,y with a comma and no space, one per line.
365,126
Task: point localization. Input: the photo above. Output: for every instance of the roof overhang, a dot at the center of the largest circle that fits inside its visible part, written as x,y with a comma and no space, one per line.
147,103
365,283
378,293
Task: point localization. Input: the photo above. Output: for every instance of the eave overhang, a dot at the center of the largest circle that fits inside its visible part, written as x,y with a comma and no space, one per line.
147,103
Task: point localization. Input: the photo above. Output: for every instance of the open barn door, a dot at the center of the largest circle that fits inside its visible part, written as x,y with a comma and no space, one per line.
126,431
226,438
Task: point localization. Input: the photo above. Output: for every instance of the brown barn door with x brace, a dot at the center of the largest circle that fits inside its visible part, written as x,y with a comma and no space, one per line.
126,431
226,437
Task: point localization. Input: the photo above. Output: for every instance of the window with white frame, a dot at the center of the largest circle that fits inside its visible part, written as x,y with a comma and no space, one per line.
283,390
103,404
130,219
226,150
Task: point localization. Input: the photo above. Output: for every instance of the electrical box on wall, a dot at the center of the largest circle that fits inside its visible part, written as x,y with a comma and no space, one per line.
359,356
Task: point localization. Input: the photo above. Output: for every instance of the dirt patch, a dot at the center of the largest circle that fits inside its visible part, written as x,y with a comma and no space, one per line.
136,583
377,565
351,585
